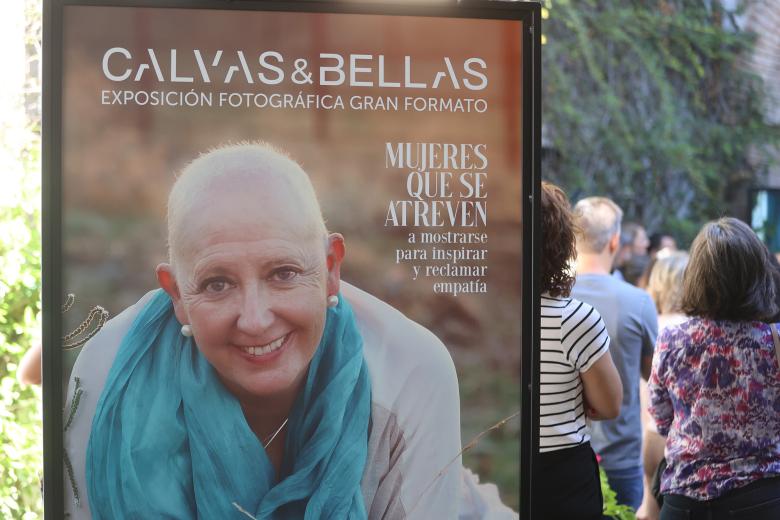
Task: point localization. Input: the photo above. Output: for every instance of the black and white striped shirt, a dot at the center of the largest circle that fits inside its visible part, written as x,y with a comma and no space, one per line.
573,337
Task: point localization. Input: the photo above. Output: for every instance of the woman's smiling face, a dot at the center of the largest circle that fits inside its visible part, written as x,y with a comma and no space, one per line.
253,280
257,309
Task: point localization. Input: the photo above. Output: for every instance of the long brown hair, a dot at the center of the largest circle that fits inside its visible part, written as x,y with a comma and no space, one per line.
558,242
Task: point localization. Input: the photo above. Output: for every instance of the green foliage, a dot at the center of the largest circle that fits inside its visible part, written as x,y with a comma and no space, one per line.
21,460
611,508
20,408
650,104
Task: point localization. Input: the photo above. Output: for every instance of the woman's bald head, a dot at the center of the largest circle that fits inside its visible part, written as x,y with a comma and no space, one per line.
245,181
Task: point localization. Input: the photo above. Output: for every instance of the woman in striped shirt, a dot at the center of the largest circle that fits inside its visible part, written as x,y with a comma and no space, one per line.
578,378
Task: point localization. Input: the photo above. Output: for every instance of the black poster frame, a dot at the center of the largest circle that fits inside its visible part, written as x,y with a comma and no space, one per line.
529,13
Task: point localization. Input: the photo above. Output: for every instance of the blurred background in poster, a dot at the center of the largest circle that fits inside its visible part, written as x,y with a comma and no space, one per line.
119,161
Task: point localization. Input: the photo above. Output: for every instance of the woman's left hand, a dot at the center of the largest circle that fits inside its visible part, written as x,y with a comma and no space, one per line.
649,509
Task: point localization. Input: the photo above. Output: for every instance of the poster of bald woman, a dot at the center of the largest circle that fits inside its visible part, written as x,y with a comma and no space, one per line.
289,259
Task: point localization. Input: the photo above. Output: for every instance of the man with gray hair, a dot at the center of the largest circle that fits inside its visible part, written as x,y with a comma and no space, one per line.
632,324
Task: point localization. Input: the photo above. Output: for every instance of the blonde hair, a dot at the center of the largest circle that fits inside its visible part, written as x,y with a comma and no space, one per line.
665,283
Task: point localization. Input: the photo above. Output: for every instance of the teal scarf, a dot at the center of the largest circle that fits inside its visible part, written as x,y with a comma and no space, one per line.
169,441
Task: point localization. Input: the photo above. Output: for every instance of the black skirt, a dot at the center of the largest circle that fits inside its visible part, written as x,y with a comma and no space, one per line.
566,485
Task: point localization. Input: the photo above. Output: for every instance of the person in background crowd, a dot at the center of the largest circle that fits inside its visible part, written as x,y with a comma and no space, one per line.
29,371
631,321
633,243
578,377
659,241
665,288
715,383
636,270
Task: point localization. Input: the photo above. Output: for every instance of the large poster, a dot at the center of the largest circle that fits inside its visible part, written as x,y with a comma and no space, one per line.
326,210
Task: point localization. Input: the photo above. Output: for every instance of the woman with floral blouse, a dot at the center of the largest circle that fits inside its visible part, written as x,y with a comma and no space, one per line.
715,384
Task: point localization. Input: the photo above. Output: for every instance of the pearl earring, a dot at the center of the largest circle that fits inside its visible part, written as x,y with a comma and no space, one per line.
333,300
186,331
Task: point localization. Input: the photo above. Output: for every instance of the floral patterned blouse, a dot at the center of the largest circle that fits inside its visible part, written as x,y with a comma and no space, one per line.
715,394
